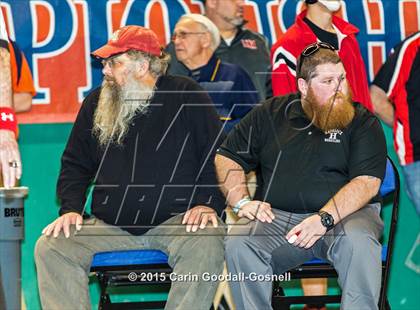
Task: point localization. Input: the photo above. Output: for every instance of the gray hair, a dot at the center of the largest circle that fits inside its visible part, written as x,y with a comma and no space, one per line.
208,25
157,65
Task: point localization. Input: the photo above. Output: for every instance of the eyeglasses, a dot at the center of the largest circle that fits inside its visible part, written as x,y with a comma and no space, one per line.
312,49
183,34
111,61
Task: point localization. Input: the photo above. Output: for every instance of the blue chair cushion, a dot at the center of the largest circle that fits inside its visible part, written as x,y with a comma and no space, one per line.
149,257
388,184
132,257
315,261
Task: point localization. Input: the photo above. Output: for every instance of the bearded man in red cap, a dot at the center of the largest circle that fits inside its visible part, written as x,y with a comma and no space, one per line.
147,142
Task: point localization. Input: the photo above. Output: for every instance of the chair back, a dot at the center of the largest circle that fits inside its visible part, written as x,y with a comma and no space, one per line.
390,185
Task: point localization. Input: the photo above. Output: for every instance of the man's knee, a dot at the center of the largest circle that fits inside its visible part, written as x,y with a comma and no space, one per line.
42,247
236,246
358,245
214,253
198,242
174,226
203,253
214,244
45,246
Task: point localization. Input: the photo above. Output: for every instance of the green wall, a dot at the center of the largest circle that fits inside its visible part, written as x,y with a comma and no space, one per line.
41,147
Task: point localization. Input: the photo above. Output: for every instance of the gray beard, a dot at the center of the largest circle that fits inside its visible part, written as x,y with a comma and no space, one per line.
117,107
134,99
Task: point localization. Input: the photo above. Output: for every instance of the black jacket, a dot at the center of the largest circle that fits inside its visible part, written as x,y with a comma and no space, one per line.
164,167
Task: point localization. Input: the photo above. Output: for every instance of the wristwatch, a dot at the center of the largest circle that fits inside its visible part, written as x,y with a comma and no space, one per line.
326,220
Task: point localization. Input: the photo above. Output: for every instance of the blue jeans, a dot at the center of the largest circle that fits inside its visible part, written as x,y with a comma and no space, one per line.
412,178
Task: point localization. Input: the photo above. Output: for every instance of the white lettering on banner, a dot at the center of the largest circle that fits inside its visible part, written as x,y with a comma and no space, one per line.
51,12
40,56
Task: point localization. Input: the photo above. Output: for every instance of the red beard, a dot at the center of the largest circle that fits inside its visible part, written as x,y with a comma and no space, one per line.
332,115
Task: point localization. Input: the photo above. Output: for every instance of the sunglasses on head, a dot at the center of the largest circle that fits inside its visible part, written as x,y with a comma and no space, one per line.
312,49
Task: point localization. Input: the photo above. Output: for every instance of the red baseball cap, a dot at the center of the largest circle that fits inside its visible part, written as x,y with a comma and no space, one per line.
130,38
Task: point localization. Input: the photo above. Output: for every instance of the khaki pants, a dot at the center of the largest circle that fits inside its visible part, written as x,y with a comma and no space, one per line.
63,264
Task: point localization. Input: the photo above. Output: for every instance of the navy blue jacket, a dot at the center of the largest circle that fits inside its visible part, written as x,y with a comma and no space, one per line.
230,88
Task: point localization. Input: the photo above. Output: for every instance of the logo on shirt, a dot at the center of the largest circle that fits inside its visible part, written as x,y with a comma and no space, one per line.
333,136
248,43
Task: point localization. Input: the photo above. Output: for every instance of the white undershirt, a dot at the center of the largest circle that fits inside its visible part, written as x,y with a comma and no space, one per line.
229,40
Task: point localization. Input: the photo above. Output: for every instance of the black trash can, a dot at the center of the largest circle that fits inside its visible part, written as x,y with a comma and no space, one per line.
11,235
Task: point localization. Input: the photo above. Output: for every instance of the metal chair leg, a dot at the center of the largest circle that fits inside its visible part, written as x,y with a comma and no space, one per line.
387,305
104,300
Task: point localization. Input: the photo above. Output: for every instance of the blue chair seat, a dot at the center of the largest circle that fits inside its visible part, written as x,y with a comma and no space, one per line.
316,261
132,257
150,257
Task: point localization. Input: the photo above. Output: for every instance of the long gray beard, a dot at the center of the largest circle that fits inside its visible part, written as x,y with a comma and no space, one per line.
117,107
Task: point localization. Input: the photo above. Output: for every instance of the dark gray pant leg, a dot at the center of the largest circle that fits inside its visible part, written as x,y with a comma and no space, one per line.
355,252
260,248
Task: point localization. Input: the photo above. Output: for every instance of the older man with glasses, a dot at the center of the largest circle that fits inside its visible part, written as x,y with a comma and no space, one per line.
195,39
321,159
237,44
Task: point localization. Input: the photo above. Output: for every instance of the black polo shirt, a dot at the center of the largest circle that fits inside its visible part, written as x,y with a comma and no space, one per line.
300,167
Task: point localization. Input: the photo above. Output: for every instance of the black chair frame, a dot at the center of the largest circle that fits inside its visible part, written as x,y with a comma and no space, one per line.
117,276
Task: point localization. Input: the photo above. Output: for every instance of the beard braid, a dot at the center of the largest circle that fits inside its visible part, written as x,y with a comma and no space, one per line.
117,105
331,115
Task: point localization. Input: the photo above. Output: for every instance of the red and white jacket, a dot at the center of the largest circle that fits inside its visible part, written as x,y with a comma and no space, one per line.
399,78
286,50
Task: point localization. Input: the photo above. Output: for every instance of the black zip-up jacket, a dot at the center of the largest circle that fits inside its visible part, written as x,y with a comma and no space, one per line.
165,166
